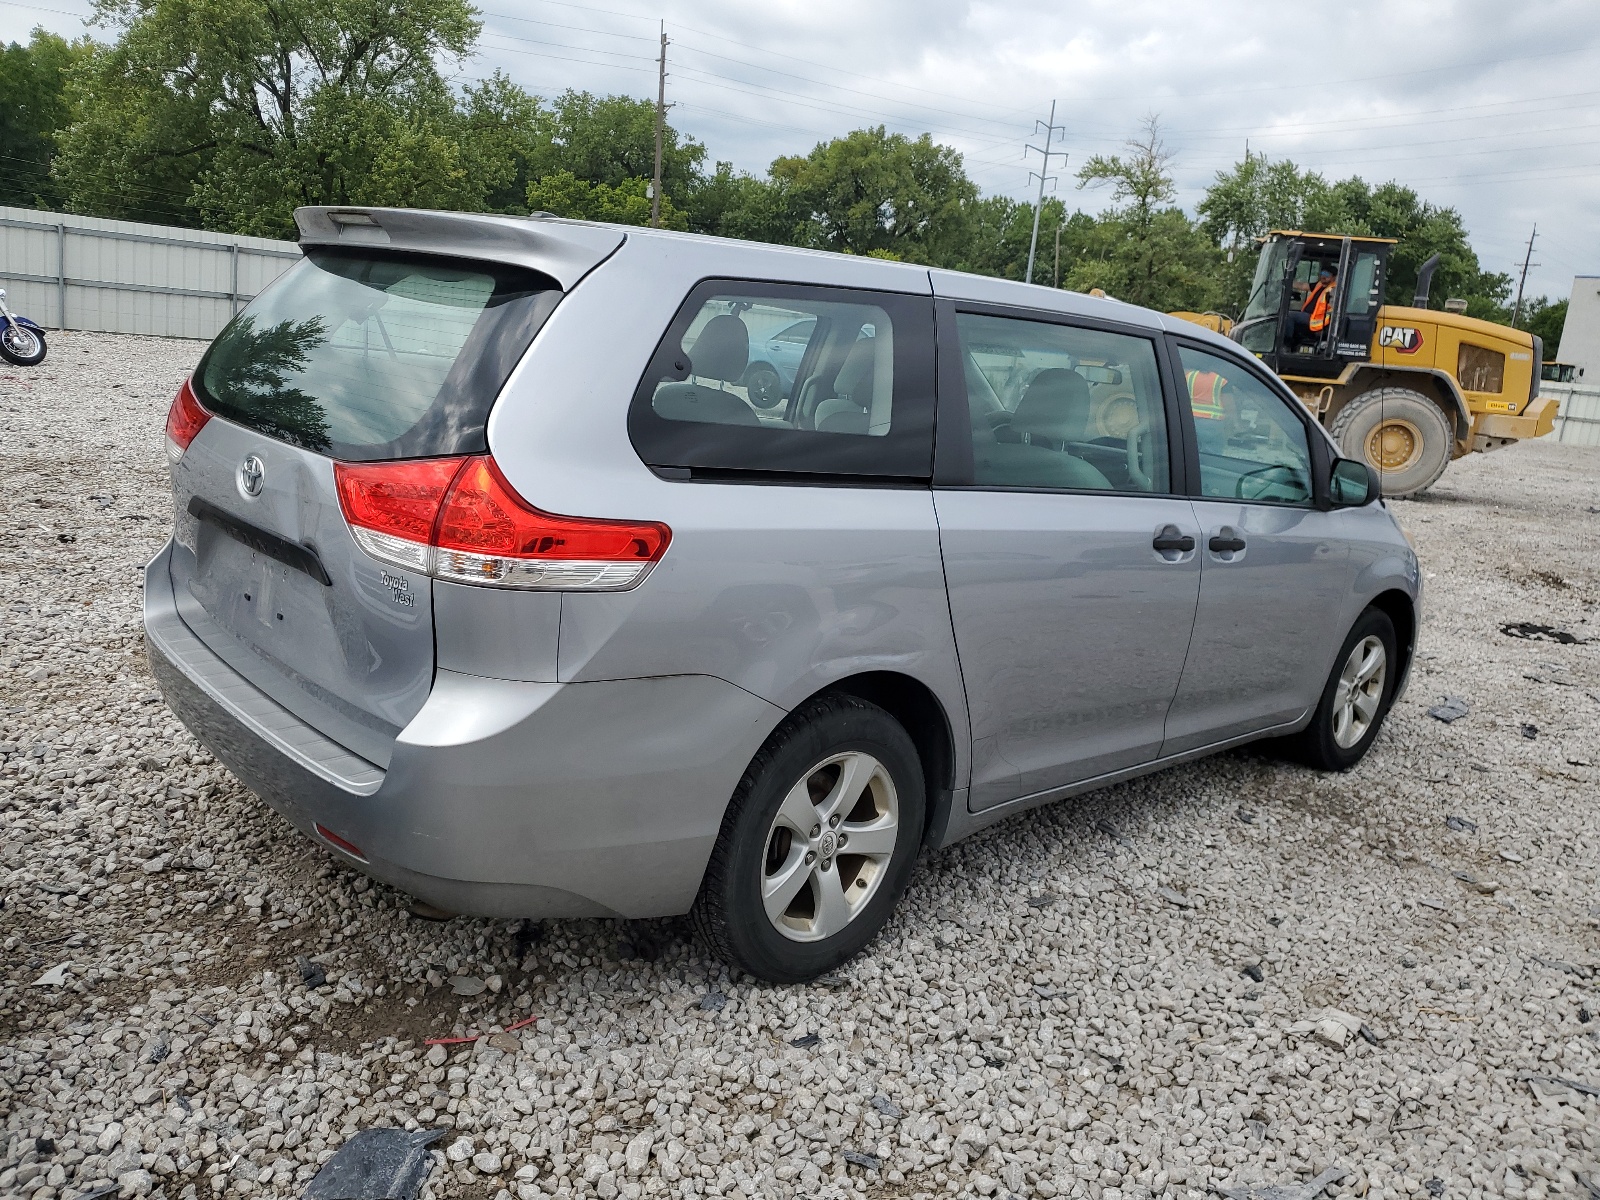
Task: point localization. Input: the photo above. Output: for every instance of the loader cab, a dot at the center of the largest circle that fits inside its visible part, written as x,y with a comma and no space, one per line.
1287,273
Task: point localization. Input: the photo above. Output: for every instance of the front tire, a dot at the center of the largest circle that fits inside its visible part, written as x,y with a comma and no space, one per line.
1355,699
1400,434
22,345
817,844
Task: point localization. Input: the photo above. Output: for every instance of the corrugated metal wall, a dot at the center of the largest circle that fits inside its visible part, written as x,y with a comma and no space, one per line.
1578,423
72,272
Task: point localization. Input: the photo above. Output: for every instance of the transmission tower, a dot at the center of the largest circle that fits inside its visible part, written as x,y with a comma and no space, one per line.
1043,175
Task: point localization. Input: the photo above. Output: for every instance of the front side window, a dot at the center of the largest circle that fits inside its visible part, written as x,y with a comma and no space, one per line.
1266,289
773,378
1058,406
1252,444
364,356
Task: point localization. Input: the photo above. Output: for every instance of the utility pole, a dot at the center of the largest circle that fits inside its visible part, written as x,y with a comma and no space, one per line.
661,122
1056,272
1522,282
1044,176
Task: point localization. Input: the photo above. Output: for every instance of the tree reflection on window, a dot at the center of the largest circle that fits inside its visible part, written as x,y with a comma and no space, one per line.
249,370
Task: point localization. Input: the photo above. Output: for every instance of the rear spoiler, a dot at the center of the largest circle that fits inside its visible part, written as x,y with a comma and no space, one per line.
564,250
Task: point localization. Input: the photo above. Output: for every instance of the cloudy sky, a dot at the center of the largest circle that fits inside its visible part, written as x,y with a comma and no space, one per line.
1491,107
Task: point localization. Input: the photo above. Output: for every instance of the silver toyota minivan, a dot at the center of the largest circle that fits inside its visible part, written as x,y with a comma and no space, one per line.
552,569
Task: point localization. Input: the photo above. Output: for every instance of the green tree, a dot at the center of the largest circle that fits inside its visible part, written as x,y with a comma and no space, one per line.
998,230
1545,318
33,105
612,139
1144,249
873,190
1257,195
502,130
740,205
628,203
239,110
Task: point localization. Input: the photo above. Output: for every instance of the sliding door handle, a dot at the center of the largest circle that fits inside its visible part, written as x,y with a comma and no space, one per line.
1172,539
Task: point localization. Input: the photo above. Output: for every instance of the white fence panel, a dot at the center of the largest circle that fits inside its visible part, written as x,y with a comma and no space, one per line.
1578,423
72,272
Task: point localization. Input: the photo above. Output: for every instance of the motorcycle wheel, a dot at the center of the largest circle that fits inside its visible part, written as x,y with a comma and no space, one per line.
22,345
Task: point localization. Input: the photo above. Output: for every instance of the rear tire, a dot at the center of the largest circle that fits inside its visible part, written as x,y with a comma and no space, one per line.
785,896
1355,699
22,345
1400,434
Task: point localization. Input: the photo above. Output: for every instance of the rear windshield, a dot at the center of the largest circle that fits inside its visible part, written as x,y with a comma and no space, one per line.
366,356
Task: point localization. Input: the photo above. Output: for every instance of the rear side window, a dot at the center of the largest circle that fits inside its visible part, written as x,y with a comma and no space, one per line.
365,357
1057,406
772,378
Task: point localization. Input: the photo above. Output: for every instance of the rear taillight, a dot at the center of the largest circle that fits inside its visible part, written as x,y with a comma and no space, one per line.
184,419
458,519
392,507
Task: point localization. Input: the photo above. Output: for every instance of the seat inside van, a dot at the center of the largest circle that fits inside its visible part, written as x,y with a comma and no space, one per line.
1029,447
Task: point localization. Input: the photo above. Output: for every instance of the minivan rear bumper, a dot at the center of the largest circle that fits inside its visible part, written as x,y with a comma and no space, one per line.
502,798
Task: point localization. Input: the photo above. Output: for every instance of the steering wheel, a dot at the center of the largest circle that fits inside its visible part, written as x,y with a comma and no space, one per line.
1137,441
1290,480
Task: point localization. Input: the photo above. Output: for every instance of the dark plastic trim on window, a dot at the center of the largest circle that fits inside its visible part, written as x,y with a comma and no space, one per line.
708,451
953,454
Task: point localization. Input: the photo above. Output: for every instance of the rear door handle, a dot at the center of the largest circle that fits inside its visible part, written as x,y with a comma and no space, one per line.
1171,539
1221,544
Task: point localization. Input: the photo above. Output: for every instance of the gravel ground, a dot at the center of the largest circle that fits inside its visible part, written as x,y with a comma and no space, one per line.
1233,974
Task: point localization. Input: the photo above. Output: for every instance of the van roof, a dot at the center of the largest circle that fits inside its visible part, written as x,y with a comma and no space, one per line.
568,249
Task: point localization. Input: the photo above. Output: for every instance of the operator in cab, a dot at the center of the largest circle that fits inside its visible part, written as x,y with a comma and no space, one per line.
1307,322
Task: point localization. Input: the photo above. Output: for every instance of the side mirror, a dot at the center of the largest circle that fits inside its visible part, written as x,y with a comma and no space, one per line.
1352,484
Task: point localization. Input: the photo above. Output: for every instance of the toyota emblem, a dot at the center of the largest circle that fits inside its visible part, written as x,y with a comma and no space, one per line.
252,473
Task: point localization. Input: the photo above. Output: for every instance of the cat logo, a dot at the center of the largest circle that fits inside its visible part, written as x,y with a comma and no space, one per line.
1401,338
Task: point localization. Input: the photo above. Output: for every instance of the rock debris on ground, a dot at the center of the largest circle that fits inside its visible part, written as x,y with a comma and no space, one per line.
1249,977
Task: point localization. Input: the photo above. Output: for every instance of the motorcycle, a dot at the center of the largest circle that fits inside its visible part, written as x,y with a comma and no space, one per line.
21,341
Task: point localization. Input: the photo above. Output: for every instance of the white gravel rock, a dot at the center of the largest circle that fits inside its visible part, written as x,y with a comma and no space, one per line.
226,1022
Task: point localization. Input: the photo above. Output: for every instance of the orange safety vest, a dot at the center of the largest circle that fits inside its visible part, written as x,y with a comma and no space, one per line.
1318,302
1205,394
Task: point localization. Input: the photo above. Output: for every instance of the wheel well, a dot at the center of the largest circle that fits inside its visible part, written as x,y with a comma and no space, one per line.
914,705
1423,382
1396,605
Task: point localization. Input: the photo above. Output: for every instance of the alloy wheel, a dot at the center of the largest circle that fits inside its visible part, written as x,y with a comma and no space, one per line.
1360,691
829,846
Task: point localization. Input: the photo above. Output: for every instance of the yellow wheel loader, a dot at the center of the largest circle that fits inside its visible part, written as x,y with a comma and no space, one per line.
1405,389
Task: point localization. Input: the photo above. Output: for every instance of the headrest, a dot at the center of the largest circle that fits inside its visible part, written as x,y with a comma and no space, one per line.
1055,406
722,351
855,376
